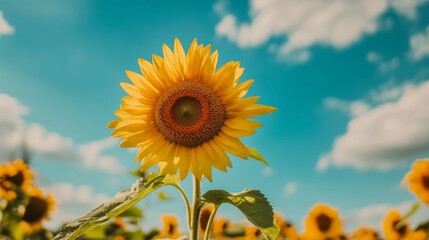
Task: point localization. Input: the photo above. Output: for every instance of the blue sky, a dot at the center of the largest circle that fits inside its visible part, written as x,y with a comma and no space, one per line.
350,80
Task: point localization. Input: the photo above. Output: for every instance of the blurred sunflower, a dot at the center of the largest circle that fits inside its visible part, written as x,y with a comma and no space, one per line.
170,227
252,233
287,230
323,222
417,235
364,233
204,216
37,210
418,178
17,173
391,230
219,227
183,114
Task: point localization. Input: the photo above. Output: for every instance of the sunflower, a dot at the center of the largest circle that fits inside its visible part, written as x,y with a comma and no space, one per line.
17,173
391,229
170,227
364,233
323,222
219,227
287,230
204,216
417,235
418,178
38,208
252,233
183,114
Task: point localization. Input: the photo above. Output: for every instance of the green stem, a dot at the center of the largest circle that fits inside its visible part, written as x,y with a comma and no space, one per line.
210,223
188,206
196,209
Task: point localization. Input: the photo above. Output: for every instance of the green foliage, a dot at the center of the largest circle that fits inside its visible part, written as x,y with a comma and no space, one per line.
252,203
423,226
121,202
132,212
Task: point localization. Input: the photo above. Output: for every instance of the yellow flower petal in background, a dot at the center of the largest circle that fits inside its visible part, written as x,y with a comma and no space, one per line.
418,180
323,222
390,229
17,173
37,210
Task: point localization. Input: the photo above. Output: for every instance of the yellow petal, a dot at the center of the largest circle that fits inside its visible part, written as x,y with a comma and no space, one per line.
220,153
252,111
214,158
193,159
179,55
232,145
131,90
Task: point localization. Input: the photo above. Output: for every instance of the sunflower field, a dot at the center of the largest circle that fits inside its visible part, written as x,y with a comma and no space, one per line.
184,116
219,119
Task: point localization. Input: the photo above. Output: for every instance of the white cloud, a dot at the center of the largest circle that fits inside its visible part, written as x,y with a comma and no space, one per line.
14,133
267,171
385,136
419,44
5,27
73,202
93,158
373,215
389,91
408,8
383,66
388,65
226,27
290,188
220,7
373,57
304,24
352,108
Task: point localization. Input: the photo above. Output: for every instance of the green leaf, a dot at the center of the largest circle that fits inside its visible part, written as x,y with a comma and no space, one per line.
252,203
136,235
254,153
423,226
121,202
133,212
163,196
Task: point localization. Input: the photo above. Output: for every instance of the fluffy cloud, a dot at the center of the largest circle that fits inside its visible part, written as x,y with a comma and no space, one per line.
290,188
372,215
15,133
5,27
385,136
304,24
419,44
73,202
408,8
373,57
352,108
92,155
383,66
267,171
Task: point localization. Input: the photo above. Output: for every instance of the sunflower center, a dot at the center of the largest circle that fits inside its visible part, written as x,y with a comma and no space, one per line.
186,111
189,114
426,181
35,210
17,179
323,222
171,228
204,218
401,230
